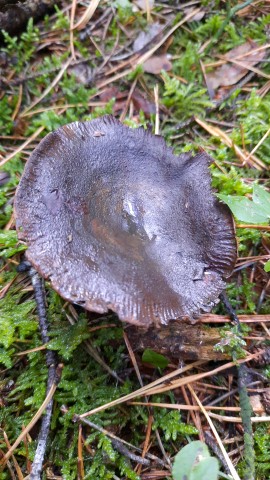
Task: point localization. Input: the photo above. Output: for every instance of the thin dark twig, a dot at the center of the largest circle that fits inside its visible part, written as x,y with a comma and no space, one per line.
118,445
230,310
39,293
51,362
116,441
220,399
246,410
211,442
132,456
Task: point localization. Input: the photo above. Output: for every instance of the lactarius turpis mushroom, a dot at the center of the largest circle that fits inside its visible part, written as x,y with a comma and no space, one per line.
117,222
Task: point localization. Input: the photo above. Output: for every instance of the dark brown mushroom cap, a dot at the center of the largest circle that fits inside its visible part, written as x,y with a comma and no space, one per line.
116,221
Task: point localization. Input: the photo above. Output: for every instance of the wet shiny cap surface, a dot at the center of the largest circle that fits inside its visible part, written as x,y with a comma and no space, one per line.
116,221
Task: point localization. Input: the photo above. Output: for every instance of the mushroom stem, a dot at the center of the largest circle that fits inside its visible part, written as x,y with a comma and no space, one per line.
51,361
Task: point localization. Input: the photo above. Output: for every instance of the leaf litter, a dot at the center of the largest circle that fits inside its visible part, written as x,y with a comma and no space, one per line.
64,98
245,56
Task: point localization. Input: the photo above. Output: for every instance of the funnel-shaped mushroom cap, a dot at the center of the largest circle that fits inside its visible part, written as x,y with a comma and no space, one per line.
116,221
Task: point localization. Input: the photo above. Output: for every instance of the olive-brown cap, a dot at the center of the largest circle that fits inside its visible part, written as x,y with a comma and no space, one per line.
116,221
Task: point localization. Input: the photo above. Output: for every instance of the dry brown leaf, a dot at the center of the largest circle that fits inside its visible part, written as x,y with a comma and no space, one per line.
110,92
138,98
197,17
256,404
157,63
145,37
82,72
141,103
229,74
120,98
145,4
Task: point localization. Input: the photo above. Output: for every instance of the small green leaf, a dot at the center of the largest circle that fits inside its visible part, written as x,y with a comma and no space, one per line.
206,469
244,209
193,462
262,198
155,359
267,266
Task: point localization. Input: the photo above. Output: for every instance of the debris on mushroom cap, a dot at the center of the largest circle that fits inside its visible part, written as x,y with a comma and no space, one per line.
116,221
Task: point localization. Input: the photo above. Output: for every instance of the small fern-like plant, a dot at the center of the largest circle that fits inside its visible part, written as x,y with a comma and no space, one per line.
186,100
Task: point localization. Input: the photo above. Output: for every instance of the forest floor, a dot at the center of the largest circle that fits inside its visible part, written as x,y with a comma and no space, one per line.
198,73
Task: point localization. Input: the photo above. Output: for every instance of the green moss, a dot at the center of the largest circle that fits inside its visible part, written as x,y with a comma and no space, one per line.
84,385
24,48
170,424
184,100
